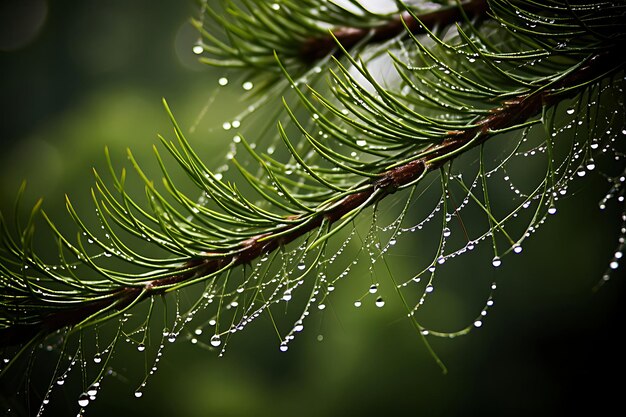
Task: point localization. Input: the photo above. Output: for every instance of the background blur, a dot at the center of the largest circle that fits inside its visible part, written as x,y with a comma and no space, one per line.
76,76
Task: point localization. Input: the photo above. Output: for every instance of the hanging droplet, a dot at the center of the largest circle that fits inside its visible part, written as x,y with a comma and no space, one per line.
446,232
301,266
552,210
298,327
373,289
380,302
357,303
197,49
287,295
97,358
429,288
517,248
215,341
276,6
141,347
392,242
222,81
247,85
83,399
496,261
569,111
138,394
93,389
361,142
283,347
478,323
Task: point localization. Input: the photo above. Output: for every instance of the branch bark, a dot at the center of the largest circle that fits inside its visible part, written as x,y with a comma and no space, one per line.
319,47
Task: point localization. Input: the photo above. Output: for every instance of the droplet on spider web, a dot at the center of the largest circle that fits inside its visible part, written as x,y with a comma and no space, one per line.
83,399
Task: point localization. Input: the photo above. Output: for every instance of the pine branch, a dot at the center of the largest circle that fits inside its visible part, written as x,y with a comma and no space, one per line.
509,114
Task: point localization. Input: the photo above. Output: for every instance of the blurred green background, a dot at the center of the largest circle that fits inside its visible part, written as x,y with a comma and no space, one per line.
76,76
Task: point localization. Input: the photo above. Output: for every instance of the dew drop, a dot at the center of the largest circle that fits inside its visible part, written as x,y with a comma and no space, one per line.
373,289
392,242
141,347
321,306
298,327
361,142
570,111
517,248
614,265
138,394
283,347
226,125
197,49
247,85
222,81
552,210
429,288
97,359
478,323
301,266
446,232
496,261
93,389
60,381
380,302
215,341
276,6
357,303
83,400
287,295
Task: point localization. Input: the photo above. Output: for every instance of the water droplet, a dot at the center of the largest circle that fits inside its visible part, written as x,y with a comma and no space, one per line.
614,265
392,242
247,85
141,347
373,289
380,302
298,327
618,255
517,248
97,359
496,261
321,306
478,323
357,303
222,81
83,399
361,142
276,6
570,111
552,210
215,341
283,347
287,295
429,288
226,125
138,394
446,232
60,381
93,389
197,49
301,266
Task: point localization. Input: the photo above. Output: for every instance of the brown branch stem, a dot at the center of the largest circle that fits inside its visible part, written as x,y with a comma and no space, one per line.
319,47
510,113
